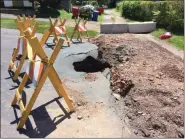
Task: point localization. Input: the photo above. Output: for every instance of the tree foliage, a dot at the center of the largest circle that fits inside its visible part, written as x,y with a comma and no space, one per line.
48,3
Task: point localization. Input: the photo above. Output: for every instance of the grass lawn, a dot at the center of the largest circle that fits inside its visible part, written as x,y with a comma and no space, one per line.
9,23
130,20
177,39
100,18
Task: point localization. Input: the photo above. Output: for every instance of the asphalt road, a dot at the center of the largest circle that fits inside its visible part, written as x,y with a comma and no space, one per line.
40,123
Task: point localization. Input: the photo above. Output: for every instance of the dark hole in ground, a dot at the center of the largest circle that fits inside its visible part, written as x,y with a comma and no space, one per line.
90,64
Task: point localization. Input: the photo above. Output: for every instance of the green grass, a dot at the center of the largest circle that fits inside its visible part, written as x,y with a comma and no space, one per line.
130,20
114,10
176,40
9,23
100,18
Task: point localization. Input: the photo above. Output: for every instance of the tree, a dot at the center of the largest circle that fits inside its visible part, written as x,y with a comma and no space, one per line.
112,3
48,3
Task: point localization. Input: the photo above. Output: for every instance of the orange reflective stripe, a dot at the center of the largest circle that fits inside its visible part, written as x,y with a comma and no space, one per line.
82,28
60,30
63,29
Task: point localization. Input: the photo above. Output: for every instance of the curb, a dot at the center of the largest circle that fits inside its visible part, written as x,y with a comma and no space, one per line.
136,27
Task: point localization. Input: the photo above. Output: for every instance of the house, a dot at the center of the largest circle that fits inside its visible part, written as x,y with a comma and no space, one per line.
65,4
16,3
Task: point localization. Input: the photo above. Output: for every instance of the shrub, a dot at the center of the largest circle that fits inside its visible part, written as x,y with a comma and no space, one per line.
168,14
147,14
119,6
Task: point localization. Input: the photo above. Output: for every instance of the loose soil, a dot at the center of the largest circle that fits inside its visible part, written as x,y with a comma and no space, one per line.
150,80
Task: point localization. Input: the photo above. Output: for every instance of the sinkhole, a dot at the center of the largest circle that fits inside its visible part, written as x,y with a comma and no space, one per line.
90,65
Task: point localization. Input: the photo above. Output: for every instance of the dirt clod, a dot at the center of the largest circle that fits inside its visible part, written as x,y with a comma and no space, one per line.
117,96
79,117
90,77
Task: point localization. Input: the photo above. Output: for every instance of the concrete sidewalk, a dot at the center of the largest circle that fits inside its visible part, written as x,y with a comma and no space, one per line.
112,17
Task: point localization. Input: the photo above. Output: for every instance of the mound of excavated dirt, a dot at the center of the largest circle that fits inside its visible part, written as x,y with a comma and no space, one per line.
150,81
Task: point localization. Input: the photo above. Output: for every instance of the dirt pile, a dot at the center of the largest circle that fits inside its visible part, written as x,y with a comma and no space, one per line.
150,80
112,51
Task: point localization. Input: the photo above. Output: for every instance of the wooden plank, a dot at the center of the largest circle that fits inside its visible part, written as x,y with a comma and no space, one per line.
56,51
23,83
11,65
34,29
21,62
33,19
20,88
19,99
33,99
44,38
36,46
55,23
55,80
29,51
14,67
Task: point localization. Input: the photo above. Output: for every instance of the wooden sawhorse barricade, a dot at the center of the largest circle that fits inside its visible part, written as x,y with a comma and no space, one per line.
39,69
28,20
58,30
23,25
79,28
20,51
